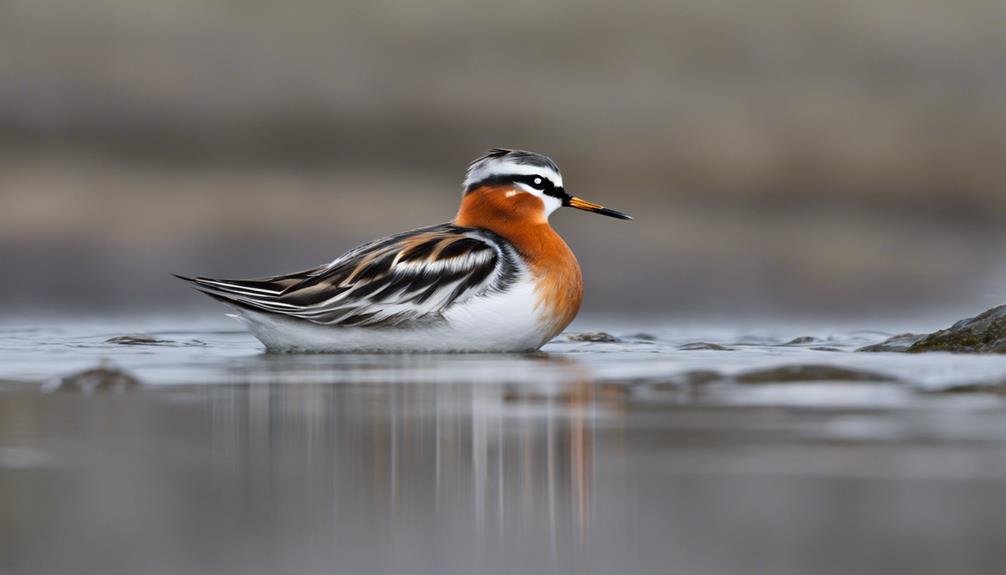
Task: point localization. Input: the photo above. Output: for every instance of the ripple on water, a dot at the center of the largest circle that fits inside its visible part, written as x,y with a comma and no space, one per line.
166,352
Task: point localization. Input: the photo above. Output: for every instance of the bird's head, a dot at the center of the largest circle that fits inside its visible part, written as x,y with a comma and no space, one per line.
517,184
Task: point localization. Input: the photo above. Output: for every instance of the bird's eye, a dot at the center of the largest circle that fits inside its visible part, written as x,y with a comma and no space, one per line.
540,183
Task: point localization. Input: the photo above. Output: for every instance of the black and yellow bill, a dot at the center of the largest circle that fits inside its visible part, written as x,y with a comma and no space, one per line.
581,204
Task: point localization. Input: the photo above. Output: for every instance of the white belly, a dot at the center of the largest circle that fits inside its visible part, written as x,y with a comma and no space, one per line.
496,322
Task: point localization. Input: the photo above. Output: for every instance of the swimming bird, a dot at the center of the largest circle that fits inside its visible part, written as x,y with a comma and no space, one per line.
497,278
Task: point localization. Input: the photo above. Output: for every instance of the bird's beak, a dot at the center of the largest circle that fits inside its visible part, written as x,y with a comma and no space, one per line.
580,204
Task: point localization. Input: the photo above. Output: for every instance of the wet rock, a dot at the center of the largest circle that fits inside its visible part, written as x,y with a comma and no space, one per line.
899,342
998,388
642,337
141,339
137,340
105,377
826,348
593,337
802,373
985,333
800,340
703,345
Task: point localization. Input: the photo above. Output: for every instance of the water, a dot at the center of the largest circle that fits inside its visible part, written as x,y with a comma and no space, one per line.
625,457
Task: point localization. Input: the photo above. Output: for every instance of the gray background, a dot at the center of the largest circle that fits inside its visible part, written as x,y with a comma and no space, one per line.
781,157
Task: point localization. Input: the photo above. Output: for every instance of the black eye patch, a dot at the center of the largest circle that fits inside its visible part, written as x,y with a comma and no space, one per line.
535,181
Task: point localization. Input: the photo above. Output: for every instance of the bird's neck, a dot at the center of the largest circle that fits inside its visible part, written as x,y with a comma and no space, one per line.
517,216
500,206
520,219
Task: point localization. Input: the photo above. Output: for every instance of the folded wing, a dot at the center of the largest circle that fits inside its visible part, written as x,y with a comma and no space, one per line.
409,278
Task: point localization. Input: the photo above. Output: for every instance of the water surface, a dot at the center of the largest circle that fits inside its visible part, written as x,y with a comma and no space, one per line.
635,456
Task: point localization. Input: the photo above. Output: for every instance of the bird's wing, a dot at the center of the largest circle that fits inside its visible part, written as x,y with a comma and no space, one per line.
411,277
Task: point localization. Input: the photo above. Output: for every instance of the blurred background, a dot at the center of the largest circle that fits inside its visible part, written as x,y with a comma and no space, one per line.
781,157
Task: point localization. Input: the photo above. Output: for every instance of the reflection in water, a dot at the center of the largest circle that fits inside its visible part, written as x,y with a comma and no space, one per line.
491,459
515,453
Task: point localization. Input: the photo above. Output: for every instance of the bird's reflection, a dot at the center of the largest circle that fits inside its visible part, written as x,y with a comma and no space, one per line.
493,460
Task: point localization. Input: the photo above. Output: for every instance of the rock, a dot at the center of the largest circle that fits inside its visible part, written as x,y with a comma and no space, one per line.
899,342
137,340
140,339
105,377
998,388
702,345
800,373
593,337
800,340
985,333
642,337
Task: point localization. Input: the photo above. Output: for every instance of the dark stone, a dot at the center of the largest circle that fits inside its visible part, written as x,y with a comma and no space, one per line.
998,388
899,342
985,333
800,340
702,345
593,337
642,337
801,373
137,340
141,339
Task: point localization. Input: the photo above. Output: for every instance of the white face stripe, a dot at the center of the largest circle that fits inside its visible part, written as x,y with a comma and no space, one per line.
490,168
551,202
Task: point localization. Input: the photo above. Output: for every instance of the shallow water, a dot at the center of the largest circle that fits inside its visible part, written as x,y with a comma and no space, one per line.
632,457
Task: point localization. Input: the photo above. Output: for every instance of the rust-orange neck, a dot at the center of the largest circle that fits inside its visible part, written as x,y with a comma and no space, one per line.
519,217
503,207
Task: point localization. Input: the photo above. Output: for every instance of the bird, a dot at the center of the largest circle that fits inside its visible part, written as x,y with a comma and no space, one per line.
495,279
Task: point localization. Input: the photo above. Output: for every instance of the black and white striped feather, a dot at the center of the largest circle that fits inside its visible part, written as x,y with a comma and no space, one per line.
403,280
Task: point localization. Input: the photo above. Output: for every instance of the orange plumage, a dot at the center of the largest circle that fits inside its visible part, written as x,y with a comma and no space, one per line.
520,218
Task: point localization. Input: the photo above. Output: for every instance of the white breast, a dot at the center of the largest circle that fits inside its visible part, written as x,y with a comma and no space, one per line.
508,321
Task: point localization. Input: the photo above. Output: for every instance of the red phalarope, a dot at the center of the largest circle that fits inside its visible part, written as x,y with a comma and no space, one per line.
496,279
